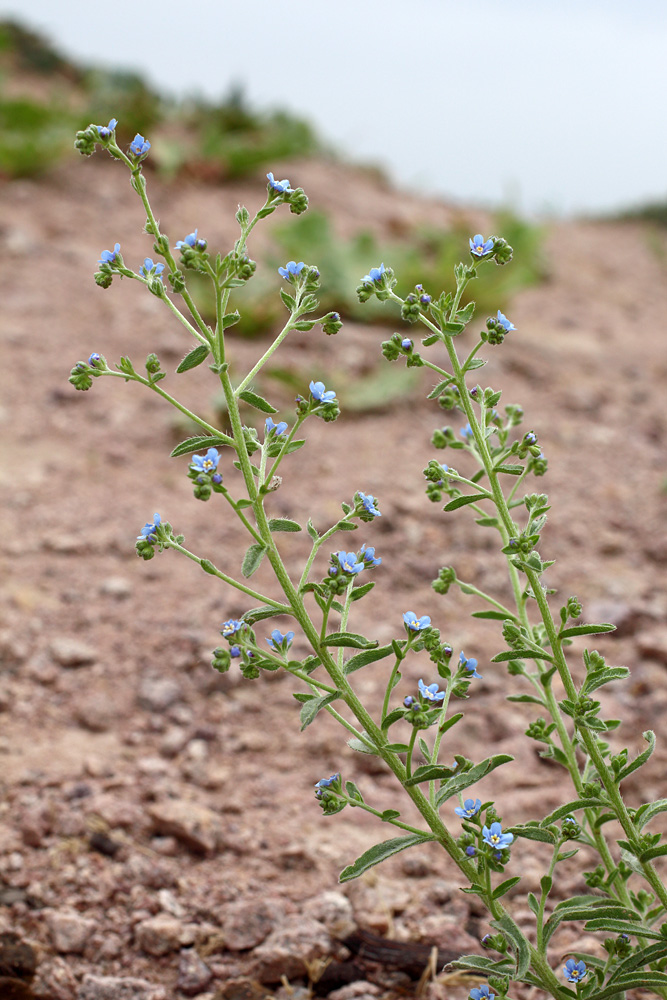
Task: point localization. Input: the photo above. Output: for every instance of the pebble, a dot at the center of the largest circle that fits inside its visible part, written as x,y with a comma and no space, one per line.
159,935
361,990
193,974
653,643
69,930
71,652
173,741
119,988
247,923
291,948
157,694
195,826
96,712
334,910
116,586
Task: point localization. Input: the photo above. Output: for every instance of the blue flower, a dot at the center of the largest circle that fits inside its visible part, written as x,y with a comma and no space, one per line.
149,268
324,783
191,240
277,639
495,836
466,432
416,624
574,971
407,344
235,651
149,530
430,691
470,665
425,299
104,131
109,256
482,993
291,269
471,851
93,359
349,563
367,554
322,395
230,627
280,186
207,462
279,428
139,146
409,701
375,274
368,501
479,247
469,808
503,321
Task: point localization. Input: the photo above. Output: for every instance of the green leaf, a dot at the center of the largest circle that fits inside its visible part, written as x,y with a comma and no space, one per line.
458,782
261,613
451,721
622,927
653,852
522,654
257,401
346,526
432,338
353,792
427,772
194,358
480,963
380,852
200,441
360,746
569,808
518,942
463,501
362,659
453,329
498,616
393,717
475,363
389,814
510,470
440,387
294,446
598,678
208,567
524,699
505,886
397,747
284,524
533,833
638,959
586,630
641,758
230,319
359,592
352,639
312,530
465,315
315,705
646,812
288,300
252,559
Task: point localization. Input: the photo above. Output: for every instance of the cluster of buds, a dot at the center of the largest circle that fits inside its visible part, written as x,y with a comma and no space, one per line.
495,248
398,346
496,328
282,193
329,794
322,402
204,474
415,304
379,281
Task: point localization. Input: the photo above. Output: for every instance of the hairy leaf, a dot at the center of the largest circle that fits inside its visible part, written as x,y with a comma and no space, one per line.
380,852
194,358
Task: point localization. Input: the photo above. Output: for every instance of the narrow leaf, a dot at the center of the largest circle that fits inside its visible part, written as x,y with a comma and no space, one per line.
283,524
252,559
353,791
312,530
510,470
569,808
352,639
622,927
448,723
364,658
522,654
260,614
649,736
200,441
458,782
517,941
505,886
648,811
389,814
586,630
359,592
288,300
533,833
524,699
380,852
498,616
257,401
194,358
463,501
230,319
315,705
427,772
475,363
434,393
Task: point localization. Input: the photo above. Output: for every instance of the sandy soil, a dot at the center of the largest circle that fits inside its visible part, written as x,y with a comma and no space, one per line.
157,820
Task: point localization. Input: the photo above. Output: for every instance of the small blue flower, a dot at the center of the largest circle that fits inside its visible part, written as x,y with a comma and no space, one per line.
503,321
479,247
425,299
216,478
324,783
148,268
471,851
469,808
416,624
234,651
470,665
206,463
409,701
322,395
375,274
149,530
349,563
230,627
291,269
93,359
191,240
279,428
367,554
139,146
109,256
407,344
280,186
277,639
104,131
466,432
495,836
482,993
369,503
574,971
430,691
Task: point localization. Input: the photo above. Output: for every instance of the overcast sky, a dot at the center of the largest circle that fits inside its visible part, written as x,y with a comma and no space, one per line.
552,106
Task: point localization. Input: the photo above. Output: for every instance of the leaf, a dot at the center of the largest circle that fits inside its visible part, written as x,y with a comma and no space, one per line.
440,387
315,705
646,812
639,959
362,659
448,723
252,559
352,639
463,501
505,886
397,747
653,852
458,782
288,300
359,592
360,746
524,699
533,833
510,470
260,614
257,401
294,446
194,358
230,319
312,530
475,363
598,678
499,616
380,852
641,758
481,963
453,329
200,441
521,654
284,524
353,791
518,942
641,979
622,927
432,338
465,315
389,814
427,772
586,630
569,808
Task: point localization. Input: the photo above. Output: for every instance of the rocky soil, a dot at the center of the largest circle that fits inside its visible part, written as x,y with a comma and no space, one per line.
159,836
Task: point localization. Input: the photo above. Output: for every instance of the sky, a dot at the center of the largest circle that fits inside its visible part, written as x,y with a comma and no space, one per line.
548,107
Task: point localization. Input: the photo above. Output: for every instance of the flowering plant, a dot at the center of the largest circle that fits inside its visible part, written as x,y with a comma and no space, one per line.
499,461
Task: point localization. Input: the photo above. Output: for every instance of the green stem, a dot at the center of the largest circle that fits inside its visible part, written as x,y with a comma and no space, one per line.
228,579
469,588
264,358
174,402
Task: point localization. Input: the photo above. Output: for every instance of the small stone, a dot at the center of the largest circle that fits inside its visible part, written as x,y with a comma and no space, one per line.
65,543
96,712
173,741
291,948
193,974
34,824
157,693
247,923
170,904
416,866
195,826
118,988
334,910
13,650
55,980
653,644
71,652
116,586
159,935
69,930
361,990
